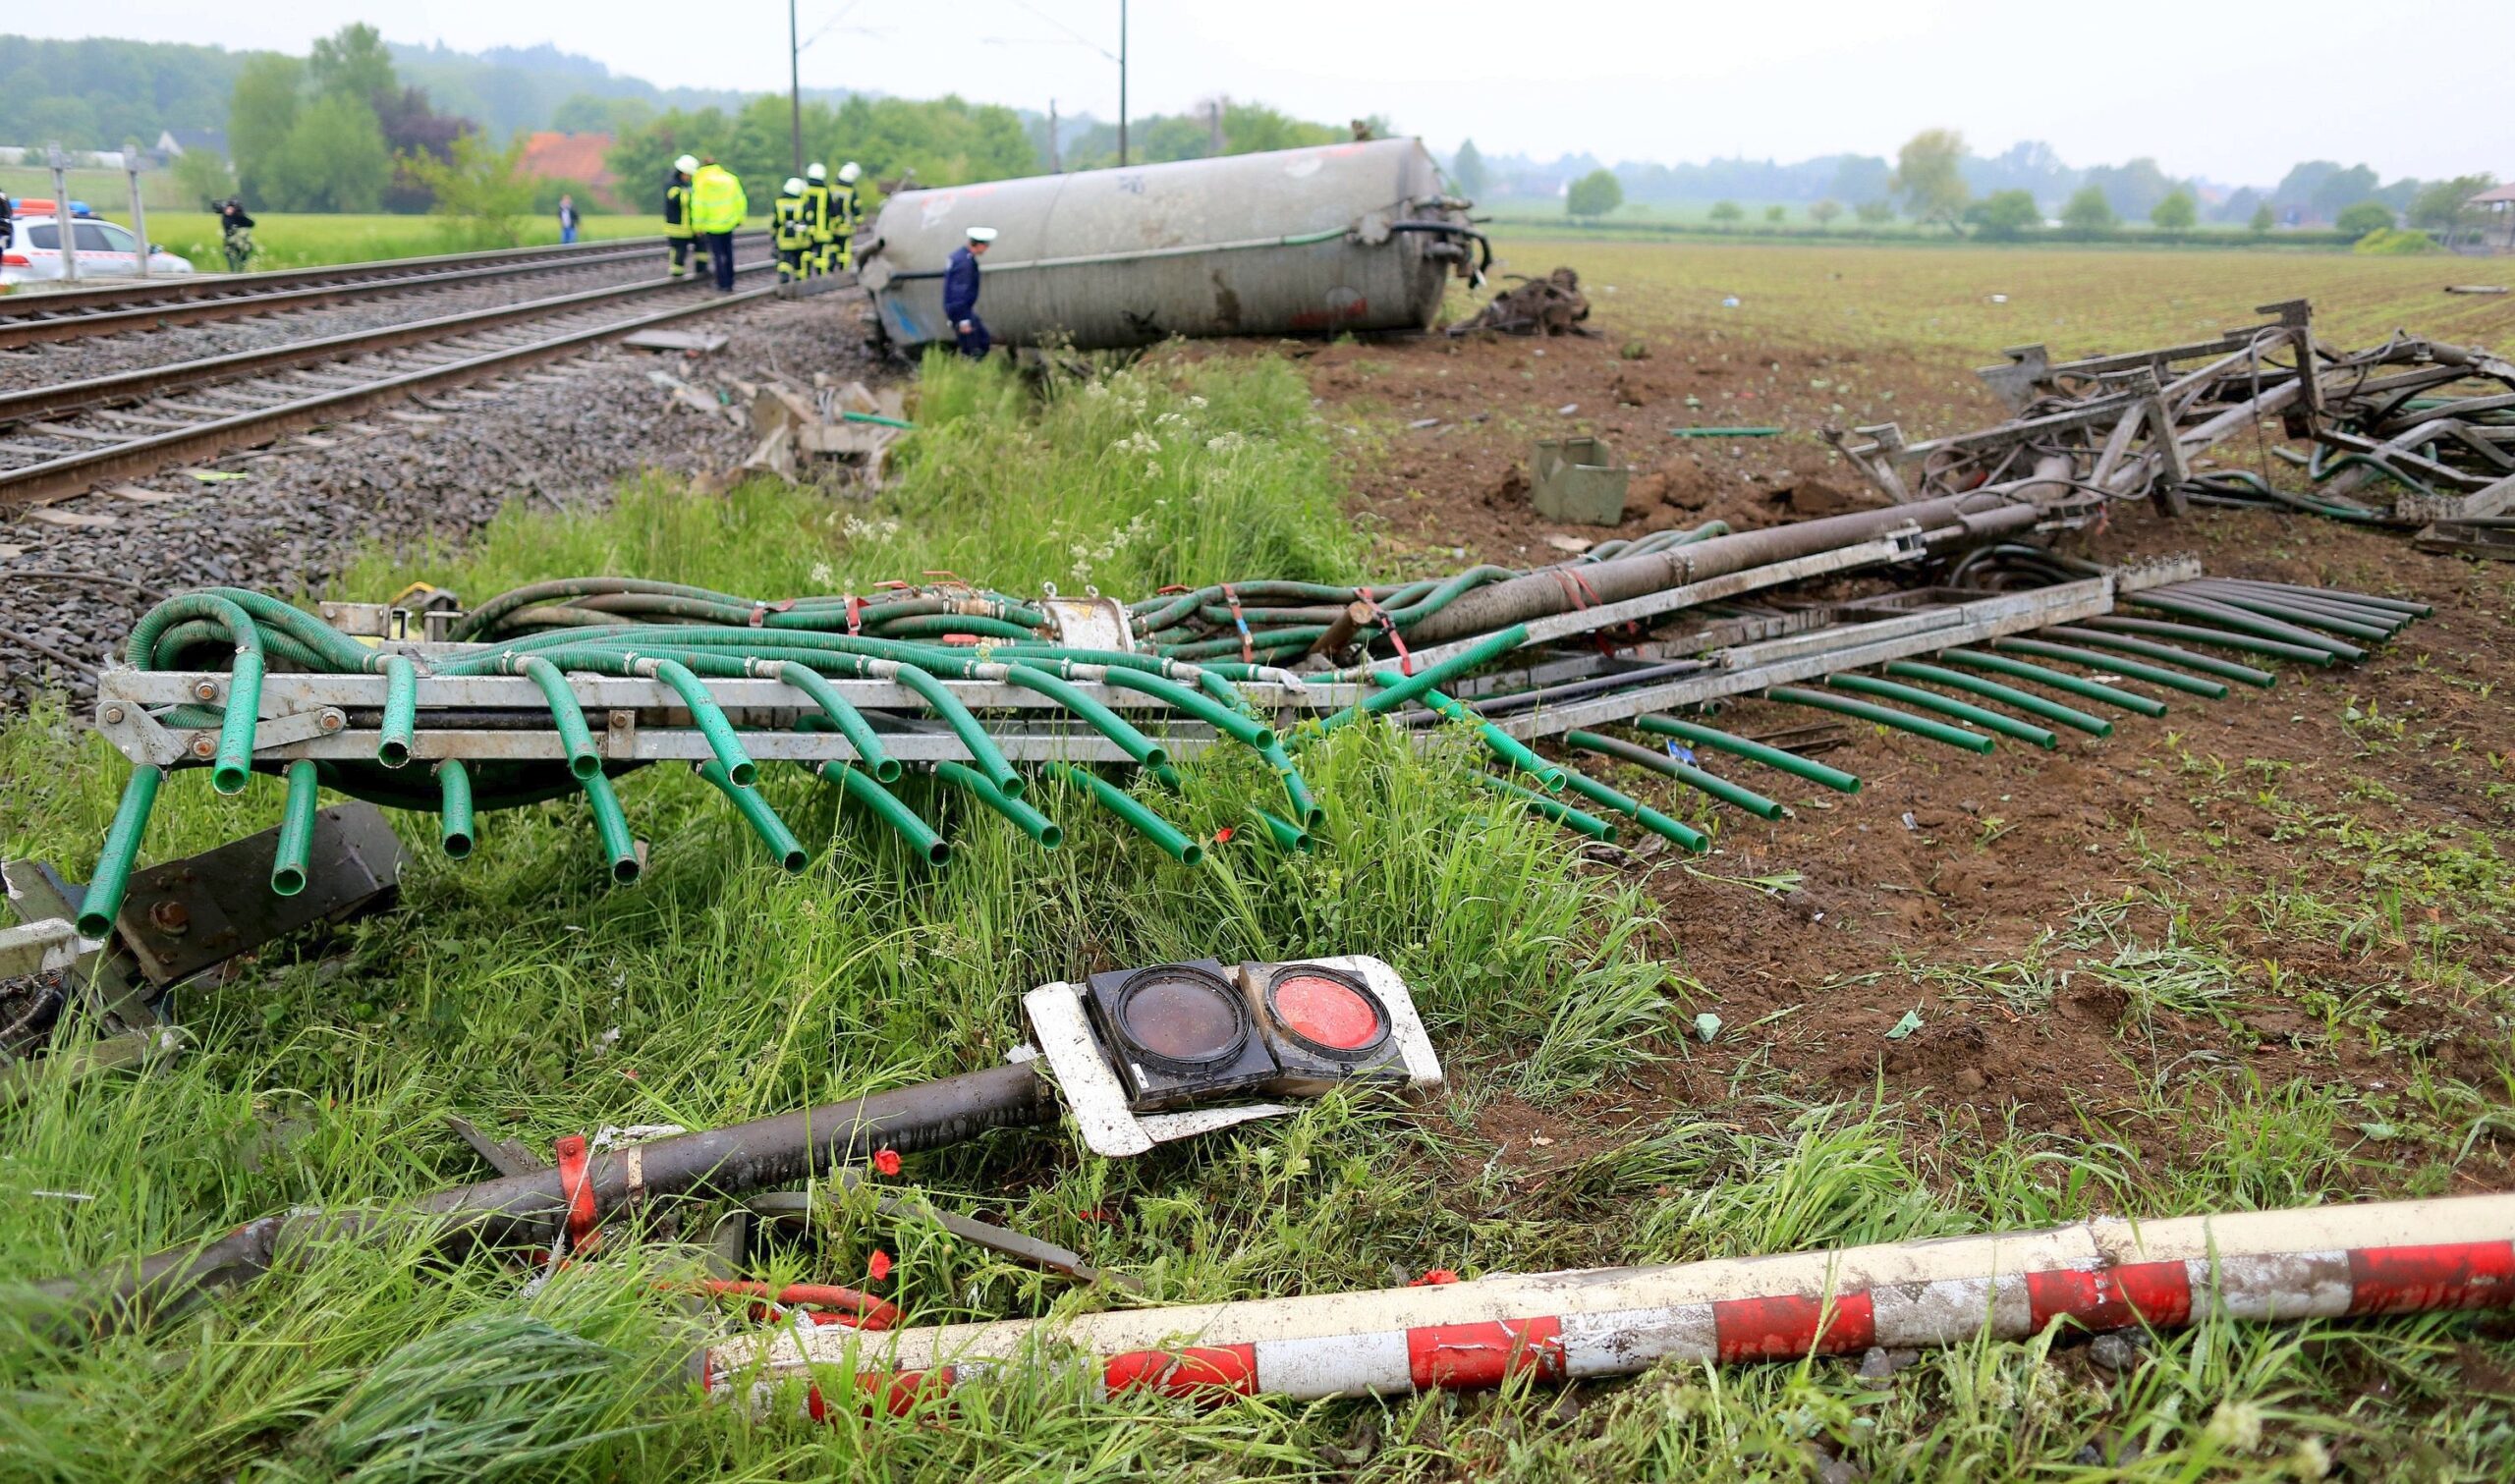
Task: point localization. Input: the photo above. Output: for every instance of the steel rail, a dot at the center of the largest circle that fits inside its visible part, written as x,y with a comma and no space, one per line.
124,387
35,324
60,478
213,285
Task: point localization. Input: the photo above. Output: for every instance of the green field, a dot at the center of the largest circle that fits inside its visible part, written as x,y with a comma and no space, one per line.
285,241
517,990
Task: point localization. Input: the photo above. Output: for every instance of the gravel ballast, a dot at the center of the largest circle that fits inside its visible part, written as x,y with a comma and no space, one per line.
24,368
563,434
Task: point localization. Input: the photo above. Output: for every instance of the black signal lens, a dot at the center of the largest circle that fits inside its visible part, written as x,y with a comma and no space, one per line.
1182,1021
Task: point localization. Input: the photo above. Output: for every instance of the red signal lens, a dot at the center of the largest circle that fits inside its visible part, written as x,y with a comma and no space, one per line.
1328,1012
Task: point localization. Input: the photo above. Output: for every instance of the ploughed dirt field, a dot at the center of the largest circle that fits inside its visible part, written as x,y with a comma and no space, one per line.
2298,898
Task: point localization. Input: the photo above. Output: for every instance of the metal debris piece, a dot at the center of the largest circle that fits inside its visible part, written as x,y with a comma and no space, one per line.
1550,305
2430,424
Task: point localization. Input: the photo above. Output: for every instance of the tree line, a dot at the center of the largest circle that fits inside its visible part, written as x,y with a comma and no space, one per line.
1931,182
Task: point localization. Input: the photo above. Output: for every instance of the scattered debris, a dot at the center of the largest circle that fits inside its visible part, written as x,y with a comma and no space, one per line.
1549,305
2434,420
688,342
1089,1064
2474,288
1577,479
845,424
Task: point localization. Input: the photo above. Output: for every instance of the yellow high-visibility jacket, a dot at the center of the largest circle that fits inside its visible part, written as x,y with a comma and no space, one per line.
716,200
794,222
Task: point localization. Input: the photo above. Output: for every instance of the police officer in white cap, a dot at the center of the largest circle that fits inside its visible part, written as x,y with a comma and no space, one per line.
960,293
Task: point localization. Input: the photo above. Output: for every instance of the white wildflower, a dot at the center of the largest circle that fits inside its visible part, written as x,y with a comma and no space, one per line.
2236,1427
822,577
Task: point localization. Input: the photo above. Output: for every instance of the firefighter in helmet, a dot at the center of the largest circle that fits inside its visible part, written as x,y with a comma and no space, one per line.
794,229
681,230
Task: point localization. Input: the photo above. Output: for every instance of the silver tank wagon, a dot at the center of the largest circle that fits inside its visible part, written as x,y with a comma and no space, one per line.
1293,242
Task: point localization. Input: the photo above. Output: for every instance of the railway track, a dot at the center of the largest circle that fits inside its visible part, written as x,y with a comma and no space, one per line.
57,442
78,314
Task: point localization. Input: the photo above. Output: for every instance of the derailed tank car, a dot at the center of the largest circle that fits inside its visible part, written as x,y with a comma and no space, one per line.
1293,242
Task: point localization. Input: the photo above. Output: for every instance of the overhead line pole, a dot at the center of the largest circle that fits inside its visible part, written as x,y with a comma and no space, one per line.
1122,84
795,84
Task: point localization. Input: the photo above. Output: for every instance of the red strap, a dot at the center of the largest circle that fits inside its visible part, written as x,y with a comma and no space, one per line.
1240,621
854,614
1396,640
576,1187
1172,587
758,613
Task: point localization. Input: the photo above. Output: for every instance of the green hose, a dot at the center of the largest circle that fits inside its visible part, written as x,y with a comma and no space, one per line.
711,720
2007,696
1173,841
1217,714
235,757
1122,733
1675,833
1029,821
235,762
1497,742
1884,716
289,858
2206,663
953,623
1553,809
2216,638
566,718
842,714
920,836
112,876
1398,690
2154,675
2094,691
2305,615
454,808
1931,700
982,748
401,710
611,826
1286,834
763,820
1755,751
1306,806
2222,616
1694,778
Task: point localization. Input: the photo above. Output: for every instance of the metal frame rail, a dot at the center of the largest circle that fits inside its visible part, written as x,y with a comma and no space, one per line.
640,721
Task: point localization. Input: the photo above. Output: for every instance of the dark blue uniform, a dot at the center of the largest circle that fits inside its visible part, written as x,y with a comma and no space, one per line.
960,303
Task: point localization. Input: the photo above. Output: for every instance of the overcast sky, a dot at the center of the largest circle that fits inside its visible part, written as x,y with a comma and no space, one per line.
2235,90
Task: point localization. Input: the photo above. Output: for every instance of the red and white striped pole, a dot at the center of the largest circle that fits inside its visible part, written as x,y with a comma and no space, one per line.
2104,1274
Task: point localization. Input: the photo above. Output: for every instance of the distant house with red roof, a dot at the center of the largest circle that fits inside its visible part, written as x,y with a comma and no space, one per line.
575,157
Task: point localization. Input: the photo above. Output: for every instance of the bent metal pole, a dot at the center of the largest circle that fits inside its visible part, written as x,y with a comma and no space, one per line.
1542,593
2103,1274
566,1202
